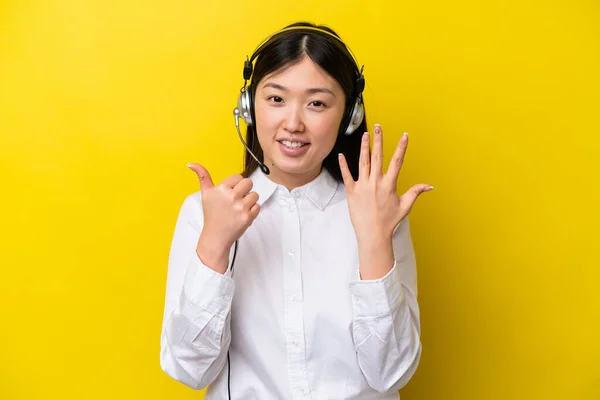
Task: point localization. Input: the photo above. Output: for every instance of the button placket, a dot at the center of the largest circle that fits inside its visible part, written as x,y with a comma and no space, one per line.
293,316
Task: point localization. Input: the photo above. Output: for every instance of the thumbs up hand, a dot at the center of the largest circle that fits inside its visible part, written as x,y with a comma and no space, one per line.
229,209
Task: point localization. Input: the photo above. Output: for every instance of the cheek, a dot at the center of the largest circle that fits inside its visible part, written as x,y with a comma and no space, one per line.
267,119
265,124
327,128
266,114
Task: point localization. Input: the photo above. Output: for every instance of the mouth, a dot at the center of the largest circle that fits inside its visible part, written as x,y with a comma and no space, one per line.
293,148
293,144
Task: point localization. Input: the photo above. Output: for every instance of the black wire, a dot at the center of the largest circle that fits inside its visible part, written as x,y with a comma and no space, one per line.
228,376
234,253
228,360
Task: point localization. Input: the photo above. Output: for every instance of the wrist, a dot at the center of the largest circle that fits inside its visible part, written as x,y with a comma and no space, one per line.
376,256
214,255
373,239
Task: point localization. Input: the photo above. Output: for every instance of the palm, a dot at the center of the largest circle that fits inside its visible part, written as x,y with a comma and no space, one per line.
373,202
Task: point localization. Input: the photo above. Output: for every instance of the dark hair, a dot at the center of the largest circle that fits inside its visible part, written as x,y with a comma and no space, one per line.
327,53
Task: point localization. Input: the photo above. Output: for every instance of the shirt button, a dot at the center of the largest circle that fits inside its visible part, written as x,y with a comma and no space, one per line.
291,208
297,195
291,253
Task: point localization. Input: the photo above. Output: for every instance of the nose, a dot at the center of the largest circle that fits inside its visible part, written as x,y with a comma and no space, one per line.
294,119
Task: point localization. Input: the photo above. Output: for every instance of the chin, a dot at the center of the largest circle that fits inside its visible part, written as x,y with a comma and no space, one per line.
294,169
295,166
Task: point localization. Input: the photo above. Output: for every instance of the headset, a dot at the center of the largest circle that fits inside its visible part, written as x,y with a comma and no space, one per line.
353,114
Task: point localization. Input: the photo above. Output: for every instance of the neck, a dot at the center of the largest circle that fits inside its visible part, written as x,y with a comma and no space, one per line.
292,180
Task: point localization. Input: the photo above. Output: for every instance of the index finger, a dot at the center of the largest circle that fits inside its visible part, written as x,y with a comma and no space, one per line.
232,180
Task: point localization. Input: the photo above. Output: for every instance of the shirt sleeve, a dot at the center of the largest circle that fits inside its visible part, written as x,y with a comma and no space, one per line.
386,325
195,333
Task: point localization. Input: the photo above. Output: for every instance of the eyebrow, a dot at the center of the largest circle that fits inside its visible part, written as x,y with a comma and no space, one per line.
310,91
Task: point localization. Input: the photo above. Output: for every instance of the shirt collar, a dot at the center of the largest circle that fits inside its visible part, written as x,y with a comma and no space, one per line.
320,190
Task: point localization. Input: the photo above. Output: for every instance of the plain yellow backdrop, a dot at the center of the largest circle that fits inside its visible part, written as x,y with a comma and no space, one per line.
102,104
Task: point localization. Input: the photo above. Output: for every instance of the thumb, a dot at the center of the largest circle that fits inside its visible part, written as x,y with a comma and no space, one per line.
413,193
203,176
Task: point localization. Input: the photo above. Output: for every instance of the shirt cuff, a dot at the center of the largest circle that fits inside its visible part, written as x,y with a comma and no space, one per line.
378,297
207,288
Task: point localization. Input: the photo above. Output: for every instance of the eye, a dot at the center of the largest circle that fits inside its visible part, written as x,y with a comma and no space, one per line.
318,104
275,99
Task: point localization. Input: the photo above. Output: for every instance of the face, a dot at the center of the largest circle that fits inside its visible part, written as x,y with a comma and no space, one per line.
298,113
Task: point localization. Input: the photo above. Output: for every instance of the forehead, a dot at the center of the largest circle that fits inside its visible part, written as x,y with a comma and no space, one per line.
301,75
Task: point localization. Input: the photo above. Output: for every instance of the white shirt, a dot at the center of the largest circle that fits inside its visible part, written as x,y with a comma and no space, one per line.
298,321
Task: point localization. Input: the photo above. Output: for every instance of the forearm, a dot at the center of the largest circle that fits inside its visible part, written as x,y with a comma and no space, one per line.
194,352
196,334
386,331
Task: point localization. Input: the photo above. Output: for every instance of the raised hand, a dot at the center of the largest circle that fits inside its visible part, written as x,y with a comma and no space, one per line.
375,207
229,209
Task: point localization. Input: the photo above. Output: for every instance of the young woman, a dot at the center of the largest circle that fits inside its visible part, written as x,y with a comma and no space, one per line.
297,278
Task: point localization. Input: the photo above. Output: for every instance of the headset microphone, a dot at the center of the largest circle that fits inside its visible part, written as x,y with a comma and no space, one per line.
263,167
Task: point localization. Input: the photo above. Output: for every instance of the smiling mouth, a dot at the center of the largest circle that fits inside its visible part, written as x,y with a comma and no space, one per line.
293,145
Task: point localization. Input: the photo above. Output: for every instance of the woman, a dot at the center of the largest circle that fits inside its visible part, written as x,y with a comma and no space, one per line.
297,280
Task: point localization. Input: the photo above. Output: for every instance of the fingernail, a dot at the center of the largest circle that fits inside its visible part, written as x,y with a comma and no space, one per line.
405,136
366,136
429,188
189,165
377,129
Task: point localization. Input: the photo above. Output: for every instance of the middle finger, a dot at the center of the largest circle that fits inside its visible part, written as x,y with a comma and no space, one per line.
377,153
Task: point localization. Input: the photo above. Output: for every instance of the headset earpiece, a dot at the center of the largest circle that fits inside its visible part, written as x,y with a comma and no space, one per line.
246,105
356,112
354,117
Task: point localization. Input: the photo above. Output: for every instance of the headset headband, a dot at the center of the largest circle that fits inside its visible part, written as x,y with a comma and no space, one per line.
308,29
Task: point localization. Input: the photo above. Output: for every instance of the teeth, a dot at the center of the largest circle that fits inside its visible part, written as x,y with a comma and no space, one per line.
292,144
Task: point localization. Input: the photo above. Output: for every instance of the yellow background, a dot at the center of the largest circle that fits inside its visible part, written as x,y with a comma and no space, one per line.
102,104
